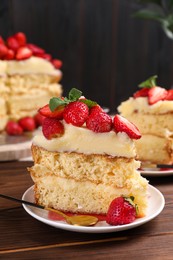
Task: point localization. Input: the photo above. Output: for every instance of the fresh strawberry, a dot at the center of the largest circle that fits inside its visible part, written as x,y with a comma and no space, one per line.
2,40
156,94
13,128
57,113
23,53
96,109
76,113
35,49
3,50
143,92
39,119
45,56
121,211
12,43
99,122
52,128
57,63
21,38
121,124
169,95
27,123
9,55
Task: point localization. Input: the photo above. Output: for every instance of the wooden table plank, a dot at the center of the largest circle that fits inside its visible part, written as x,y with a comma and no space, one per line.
23,237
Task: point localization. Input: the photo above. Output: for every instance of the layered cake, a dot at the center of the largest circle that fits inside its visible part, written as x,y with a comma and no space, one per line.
151,110
28,78
83,159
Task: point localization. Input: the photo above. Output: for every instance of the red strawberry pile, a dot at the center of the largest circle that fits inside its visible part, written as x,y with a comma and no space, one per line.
16,47
79,111
153,92
121,211
26,124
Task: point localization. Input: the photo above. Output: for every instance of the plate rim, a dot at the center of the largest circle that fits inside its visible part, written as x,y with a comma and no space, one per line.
95,229
156,173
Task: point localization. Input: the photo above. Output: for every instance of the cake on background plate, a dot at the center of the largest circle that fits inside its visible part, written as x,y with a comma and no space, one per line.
83,159
151,110
28,78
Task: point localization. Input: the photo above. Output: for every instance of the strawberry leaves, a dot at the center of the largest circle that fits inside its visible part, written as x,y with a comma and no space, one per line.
149,83
74,95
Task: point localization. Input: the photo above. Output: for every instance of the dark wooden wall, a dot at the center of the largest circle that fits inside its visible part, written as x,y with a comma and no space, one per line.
105,51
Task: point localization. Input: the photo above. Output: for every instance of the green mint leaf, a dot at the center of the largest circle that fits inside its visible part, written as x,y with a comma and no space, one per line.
74,94
56,102
88,102
149,83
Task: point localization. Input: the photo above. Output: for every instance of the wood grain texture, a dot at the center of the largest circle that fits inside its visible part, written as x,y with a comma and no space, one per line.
105,51
23,237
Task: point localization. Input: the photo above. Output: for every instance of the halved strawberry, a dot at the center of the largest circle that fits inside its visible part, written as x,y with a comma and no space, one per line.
57,113
52,128
99,122
156,94
21,38
35,49
121,124
23,53
169,95
141,93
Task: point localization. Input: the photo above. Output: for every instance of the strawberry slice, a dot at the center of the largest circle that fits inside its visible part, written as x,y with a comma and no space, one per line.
23,53
21,38
121,124
156,94
141,93
57,113
169,95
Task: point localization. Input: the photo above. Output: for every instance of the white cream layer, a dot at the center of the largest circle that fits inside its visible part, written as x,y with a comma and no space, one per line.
82,140
141,105
32,65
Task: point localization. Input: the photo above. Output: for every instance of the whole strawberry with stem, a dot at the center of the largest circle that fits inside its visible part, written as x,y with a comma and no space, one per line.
121,211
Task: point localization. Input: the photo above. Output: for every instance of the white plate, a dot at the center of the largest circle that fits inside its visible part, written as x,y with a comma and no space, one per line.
156,205
156,172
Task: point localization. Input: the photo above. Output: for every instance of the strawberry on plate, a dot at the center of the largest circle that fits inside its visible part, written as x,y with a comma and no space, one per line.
121,124
13,128
27,123
121,211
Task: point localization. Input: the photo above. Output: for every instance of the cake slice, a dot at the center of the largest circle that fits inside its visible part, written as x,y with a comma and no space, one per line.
151,110
83,160
29,77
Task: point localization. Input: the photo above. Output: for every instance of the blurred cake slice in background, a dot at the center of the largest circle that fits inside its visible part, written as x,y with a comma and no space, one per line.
28,78
151,110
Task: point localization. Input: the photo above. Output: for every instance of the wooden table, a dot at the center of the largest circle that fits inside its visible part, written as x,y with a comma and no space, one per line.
23,237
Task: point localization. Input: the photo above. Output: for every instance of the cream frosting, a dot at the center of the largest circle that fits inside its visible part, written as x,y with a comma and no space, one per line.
33,65
83,140
141,105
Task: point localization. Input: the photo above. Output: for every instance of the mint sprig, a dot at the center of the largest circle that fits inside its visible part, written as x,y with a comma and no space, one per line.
73,95
149,83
